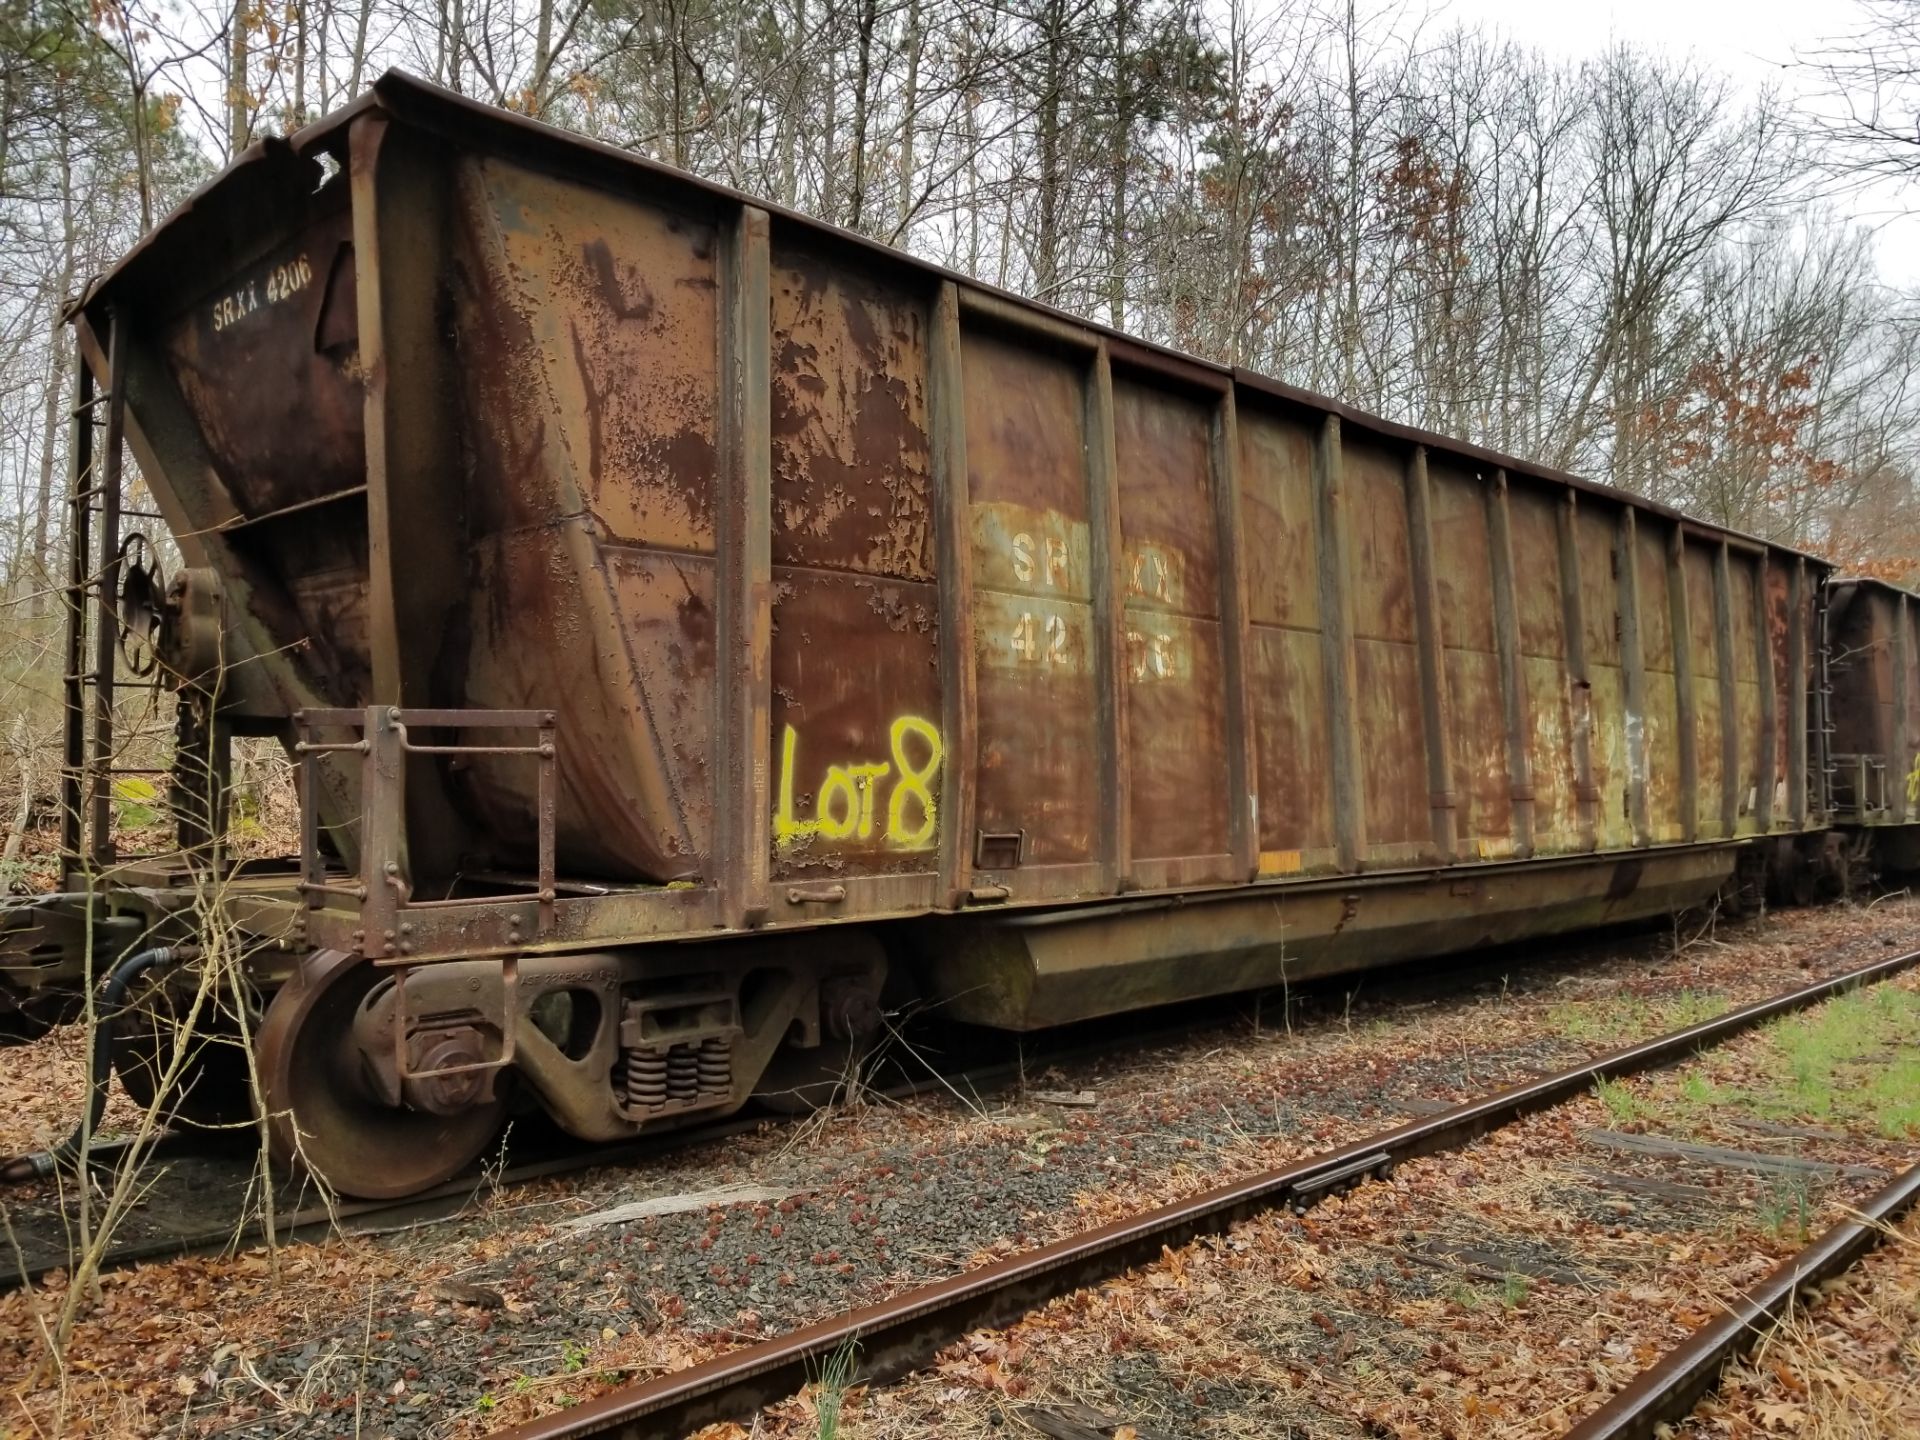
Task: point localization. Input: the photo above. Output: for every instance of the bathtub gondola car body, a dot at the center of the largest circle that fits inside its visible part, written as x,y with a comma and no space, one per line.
1873,673
691,620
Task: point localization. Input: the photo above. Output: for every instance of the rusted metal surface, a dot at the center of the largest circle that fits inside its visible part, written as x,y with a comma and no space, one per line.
1107,570
1388,714
379,740
1029,970
1177,695
1286,676
1874,671
831,589
856,617
1908,648
743,613
1604,612
1333,574
1033,621
1547,675
592,413
1436,712
959,703
894,1336
1513,692
1589,796
1664,1394
277,353
270,354
1788,609
861,591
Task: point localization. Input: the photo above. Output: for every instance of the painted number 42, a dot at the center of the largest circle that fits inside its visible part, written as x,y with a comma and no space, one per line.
1047,641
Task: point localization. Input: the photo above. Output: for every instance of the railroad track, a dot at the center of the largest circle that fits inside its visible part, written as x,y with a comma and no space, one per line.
310,1220
306,1218
1668,1389
894,1337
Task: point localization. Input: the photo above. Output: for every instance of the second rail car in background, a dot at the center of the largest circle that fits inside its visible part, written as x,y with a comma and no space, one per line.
630,563
1872,660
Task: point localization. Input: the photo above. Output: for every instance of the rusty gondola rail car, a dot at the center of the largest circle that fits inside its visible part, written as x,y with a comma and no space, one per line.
629,562
1873,650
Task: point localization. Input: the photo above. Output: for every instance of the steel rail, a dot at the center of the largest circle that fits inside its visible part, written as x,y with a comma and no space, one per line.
1670,1388
895,1336
449,1199
312,1220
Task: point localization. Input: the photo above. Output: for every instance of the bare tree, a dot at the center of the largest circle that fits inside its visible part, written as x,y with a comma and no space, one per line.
1864,100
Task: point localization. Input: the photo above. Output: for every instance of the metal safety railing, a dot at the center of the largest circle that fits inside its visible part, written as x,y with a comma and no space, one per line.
382,738
1859,785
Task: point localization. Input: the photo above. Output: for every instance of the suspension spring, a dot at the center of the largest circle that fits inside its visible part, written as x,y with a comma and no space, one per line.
683,1073
716,1065
646,1079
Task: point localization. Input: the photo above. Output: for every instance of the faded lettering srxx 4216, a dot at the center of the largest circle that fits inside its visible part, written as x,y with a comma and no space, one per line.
848,804
279,283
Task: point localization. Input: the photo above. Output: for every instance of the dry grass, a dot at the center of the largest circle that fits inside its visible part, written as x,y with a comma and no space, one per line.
1845,1368
1387,1312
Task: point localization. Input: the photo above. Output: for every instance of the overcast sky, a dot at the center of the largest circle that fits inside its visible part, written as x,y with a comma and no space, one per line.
1752,41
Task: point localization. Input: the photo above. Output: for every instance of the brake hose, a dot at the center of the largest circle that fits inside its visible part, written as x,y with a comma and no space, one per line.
107,1006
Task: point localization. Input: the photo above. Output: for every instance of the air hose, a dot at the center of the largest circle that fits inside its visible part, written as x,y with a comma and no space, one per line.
108,1004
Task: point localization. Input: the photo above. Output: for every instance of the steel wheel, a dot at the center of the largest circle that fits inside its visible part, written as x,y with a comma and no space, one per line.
213,1091
320,1114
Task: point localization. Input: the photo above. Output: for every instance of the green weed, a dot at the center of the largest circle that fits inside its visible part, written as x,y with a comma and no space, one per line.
1689,1007
1786,1205
1894,1095
1622,1107
830,1394
1620,1018
1697,1092
1852,1061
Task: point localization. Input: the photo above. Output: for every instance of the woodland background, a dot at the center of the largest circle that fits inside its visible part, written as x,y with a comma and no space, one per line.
1626,265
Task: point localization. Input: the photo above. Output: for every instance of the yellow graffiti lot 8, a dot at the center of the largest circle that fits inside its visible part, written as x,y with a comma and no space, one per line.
849,794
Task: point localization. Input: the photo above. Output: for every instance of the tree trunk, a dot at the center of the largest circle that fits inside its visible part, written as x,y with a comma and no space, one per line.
909,119
238,116
862,109
299,63
359,48
790,123
323,92
1120,161
830,120
543,59
456,41
6,125
1046,245
56,385
1355,198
